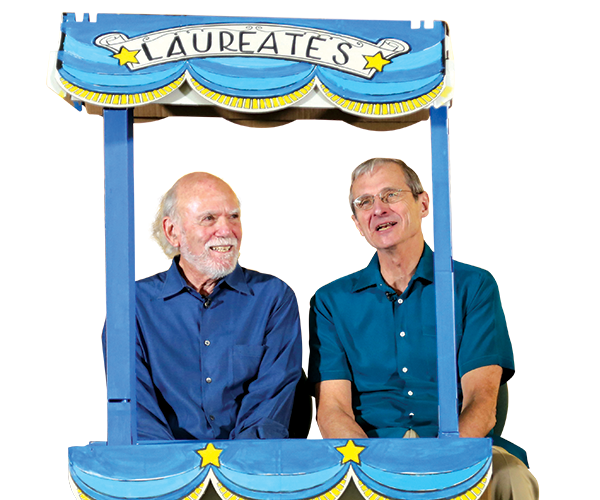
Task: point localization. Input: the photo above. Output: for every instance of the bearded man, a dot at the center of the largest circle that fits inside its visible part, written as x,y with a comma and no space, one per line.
218,349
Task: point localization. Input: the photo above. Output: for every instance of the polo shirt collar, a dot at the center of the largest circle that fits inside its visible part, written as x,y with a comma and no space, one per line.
175,282
371,275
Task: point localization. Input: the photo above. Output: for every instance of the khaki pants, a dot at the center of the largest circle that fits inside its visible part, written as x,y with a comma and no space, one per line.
511,479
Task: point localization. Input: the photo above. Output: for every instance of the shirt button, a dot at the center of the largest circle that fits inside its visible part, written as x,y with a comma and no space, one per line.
208,380
211,418
410,393
404,370
411,415
400,301
402,334
207,342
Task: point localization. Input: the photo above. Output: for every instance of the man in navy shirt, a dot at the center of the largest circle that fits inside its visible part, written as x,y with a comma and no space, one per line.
373,338
218,345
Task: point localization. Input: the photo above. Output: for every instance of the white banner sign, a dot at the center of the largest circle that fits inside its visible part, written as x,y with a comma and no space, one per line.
344,53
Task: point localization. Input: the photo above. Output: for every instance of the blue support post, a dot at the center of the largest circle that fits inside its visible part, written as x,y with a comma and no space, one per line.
120,276
444,275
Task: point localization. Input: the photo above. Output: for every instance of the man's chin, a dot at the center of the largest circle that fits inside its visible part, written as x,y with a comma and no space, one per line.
212,266
219,269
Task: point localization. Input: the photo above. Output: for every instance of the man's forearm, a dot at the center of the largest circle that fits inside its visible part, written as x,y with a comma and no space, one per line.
480,393
475,422
336,424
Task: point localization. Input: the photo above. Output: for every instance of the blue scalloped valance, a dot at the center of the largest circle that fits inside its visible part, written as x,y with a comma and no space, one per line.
377,68
425,469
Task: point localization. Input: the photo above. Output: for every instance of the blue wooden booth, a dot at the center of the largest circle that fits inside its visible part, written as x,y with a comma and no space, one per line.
381,75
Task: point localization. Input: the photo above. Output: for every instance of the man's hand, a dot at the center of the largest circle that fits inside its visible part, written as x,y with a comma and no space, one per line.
480,394
334,410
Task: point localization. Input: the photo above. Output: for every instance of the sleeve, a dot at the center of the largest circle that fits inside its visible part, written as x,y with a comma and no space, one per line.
327,360
151,423
267,406
485,339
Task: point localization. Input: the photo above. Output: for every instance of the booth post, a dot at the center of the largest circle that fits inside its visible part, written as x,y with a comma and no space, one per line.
120,276
443,275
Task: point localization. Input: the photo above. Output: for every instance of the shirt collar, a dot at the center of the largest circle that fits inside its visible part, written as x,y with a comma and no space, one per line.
371,275
175,282
425,267
237,280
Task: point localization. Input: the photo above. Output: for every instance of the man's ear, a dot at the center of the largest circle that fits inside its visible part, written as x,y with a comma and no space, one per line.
171,230
424,201
357,225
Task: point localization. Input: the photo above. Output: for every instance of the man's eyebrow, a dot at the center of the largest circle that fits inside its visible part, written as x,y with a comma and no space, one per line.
205,213
387,188
235,211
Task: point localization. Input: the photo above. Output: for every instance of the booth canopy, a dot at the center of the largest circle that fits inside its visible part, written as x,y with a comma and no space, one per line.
373,69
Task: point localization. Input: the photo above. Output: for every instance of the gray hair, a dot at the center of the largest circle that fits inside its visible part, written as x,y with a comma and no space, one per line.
369,166
166,208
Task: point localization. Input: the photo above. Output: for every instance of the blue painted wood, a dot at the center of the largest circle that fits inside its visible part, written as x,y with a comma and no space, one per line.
120,276
290,469
444,275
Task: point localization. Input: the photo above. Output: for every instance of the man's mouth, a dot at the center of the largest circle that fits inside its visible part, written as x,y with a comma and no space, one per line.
384,226
222,249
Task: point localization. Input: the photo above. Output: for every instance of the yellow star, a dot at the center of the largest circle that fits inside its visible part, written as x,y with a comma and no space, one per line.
126,56
350,452
377,61
210,455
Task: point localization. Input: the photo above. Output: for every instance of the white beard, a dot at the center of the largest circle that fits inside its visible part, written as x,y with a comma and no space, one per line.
208,263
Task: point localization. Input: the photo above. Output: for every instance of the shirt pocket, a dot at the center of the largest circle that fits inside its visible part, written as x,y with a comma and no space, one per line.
246,363
428,319
428,326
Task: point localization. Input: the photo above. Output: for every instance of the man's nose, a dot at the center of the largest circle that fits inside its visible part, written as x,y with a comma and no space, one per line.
224,228
379,207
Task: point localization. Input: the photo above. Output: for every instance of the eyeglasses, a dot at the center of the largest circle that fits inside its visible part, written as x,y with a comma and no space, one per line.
388,196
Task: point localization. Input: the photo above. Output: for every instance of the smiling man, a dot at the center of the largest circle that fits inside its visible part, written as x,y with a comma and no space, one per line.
373,359
218,345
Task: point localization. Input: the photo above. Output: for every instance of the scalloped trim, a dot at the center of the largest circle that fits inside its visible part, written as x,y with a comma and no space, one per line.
120,100
368,494
250,104
384,110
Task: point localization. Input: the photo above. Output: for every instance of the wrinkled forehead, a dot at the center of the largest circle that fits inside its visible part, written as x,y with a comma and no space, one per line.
214,198
385,175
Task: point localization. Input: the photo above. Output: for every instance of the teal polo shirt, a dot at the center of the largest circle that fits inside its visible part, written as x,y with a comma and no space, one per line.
385,344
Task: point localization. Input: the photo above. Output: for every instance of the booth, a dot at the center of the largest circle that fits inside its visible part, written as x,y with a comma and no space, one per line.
377,75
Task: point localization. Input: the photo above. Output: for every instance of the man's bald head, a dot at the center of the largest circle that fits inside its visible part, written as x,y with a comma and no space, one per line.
190,187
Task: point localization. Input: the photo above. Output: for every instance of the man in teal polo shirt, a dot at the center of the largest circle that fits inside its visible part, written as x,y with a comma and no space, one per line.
372,333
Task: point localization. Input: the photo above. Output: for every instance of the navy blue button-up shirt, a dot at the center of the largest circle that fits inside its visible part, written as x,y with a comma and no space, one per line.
385,344
217,367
